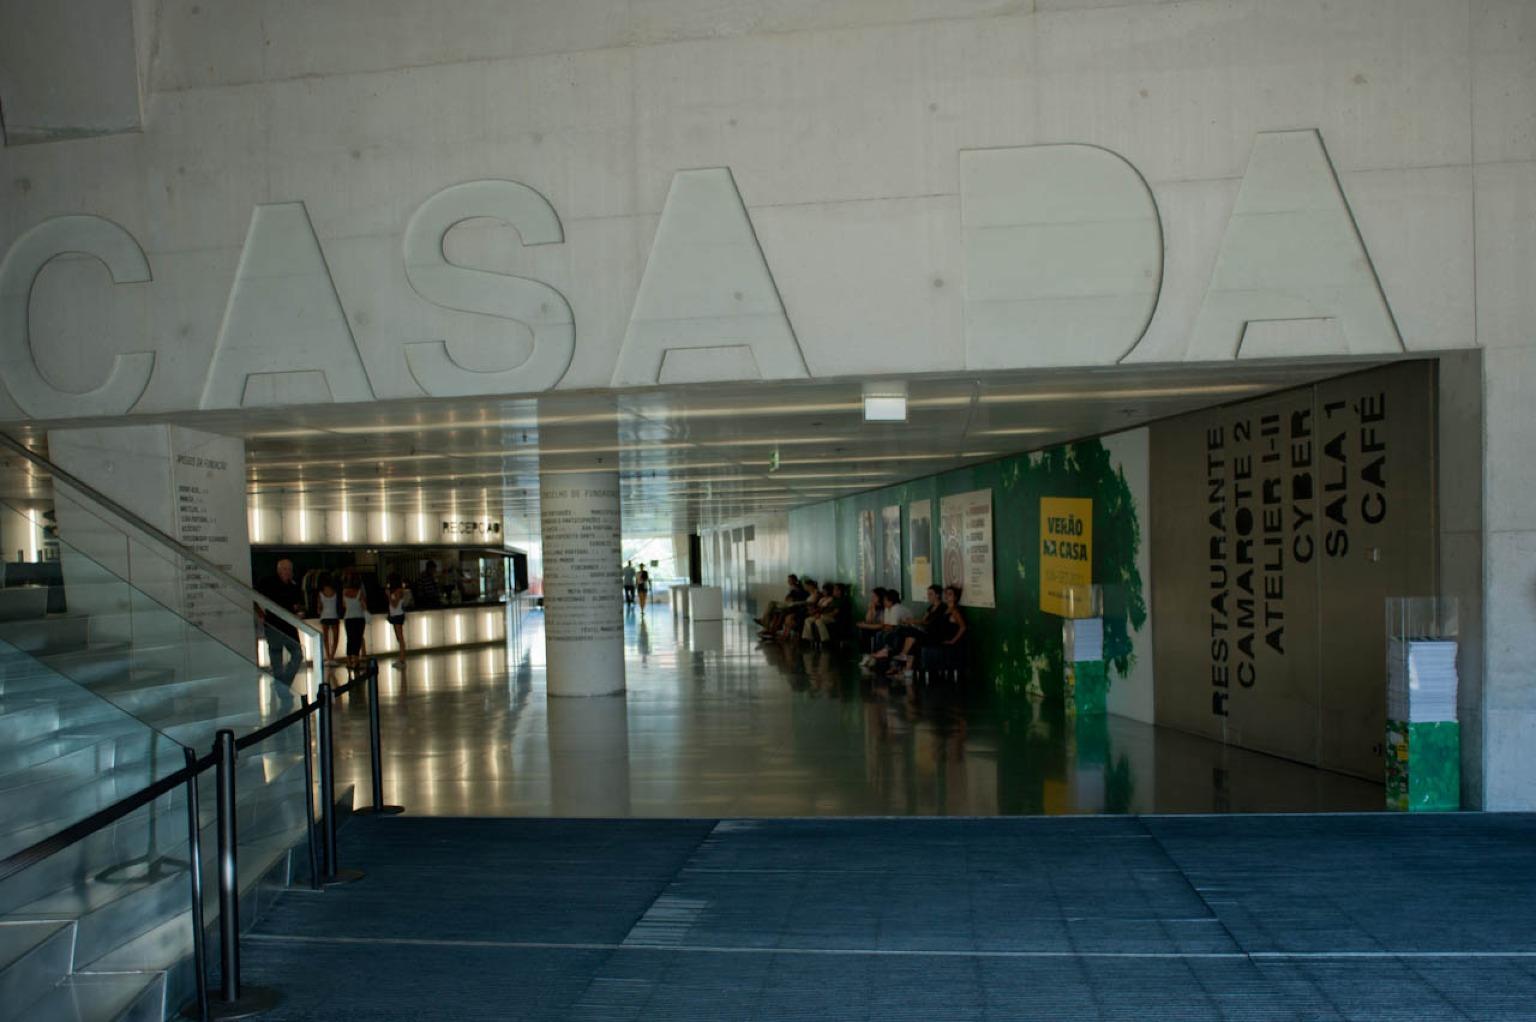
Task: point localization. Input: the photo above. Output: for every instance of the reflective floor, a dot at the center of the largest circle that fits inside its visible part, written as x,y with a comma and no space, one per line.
717,724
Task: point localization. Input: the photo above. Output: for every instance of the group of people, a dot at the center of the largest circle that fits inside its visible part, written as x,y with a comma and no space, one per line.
808,611
637,585
892,636
341,605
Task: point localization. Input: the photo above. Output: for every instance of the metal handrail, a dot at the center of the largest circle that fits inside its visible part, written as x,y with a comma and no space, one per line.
16,862
22,860
151,532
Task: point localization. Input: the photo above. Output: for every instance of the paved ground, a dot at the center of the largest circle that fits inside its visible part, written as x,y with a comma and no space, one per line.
1369,917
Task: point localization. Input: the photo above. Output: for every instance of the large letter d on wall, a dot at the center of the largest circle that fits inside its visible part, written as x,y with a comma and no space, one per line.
88,235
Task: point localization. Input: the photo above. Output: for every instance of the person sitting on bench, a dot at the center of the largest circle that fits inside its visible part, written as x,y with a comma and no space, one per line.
894,617
823,617
792,616
869,628
899,644
948,633
774,614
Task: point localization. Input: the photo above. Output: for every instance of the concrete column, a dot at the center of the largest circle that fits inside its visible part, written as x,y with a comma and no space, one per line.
583,596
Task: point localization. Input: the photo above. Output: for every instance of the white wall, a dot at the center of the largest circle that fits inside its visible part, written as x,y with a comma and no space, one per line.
850,131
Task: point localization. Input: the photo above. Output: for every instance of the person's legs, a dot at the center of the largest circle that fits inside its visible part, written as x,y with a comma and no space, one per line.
284,654
354,626
399,627
330,632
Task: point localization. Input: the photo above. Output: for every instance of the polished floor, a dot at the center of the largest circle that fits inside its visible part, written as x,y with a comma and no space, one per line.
1329,918
716,724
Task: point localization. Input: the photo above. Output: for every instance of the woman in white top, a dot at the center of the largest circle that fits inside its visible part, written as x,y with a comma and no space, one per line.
354,615
329,613
396,591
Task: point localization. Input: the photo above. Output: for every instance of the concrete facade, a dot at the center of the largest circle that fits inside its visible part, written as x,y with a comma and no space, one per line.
838,186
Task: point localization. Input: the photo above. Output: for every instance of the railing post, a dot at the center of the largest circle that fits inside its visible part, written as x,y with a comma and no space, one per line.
235,1001
195,878
375,757
309,797
228,867
334,873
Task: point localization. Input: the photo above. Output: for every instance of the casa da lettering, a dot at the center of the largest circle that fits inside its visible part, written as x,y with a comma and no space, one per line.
286,338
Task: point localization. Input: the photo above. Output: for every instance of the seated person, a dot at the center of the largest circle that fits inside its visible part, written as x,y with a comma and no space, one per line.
892,619
869,628
772,616
827,613
904,639
794,614
949,631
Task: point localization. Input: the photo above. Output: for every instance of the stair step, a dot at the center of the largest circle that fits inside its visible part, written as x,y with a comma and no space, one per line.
100,997
22,722
34,958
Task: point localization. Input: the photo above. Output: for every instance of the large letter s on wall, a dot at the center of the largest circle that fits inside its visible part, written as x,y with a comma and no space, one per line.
86,235
532,303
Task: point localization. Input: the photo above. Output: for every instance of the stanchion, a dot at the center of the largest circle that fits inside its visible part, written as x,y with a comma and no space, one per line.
334,873
374,757
234,1000
198,1009
309,798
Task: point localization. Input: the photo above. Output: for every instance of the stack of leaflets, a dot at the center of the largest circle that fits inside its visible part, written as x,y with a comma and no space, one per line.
1421,680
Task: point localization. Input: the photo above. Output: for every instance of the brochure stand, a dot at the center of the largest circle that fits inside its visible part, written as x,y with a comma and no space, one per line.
1086,683
1423,746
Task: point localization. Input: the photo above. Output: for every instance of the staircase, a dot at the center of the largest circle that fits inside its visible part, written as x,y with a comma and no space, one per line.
95,704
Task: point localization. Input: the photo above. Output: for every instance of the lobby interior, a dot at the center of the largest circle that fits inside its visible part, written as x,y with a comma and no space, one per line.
1184,348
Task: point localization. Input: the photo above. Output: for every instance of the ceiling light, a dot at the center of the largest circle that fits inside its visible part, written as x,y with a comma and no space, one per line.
885,402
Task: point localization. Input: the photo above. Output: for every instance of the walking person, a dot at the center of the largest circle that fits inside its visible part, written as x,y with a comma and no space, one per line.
285,654
642,586
354,616
629,581
328,609
394,589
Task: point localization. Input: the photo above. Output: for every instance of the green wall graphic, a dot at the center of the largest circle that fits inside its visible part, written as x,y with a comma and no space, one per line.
1016,644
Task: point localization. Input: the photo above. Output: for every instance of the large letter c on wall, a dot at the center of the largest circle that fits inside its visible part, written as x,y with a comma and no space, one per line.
87,235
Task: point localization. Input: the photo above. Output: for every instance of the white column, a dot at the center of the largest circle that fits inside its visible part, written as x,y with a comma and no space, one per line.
583,599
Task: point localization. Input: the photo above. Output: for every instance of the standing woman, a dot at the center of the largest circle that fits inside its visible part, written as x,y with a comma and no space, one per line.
328,610
642,586
354,615
394,588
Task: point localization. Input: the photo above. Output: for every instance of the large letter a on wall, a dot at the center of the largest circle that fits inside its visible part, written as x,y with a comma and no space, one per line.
707,308
285,338
1292,276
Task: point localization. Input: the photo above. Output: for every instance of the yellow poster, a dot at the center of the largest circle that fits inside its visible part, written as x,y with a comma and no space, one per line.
1066,556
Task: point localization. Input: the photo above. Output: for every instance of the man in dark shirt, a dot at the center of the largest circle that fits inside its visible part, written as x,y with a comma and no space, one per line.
284,651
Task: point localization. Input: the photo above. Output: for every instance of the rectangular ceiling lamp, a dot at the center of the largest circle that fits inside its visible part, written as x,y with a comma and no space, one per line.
885,402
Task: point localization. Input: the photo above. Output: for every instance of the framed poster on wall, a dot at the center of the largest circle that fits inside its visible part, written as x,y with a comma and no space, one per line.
965,525
890,536
867,562
920,539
